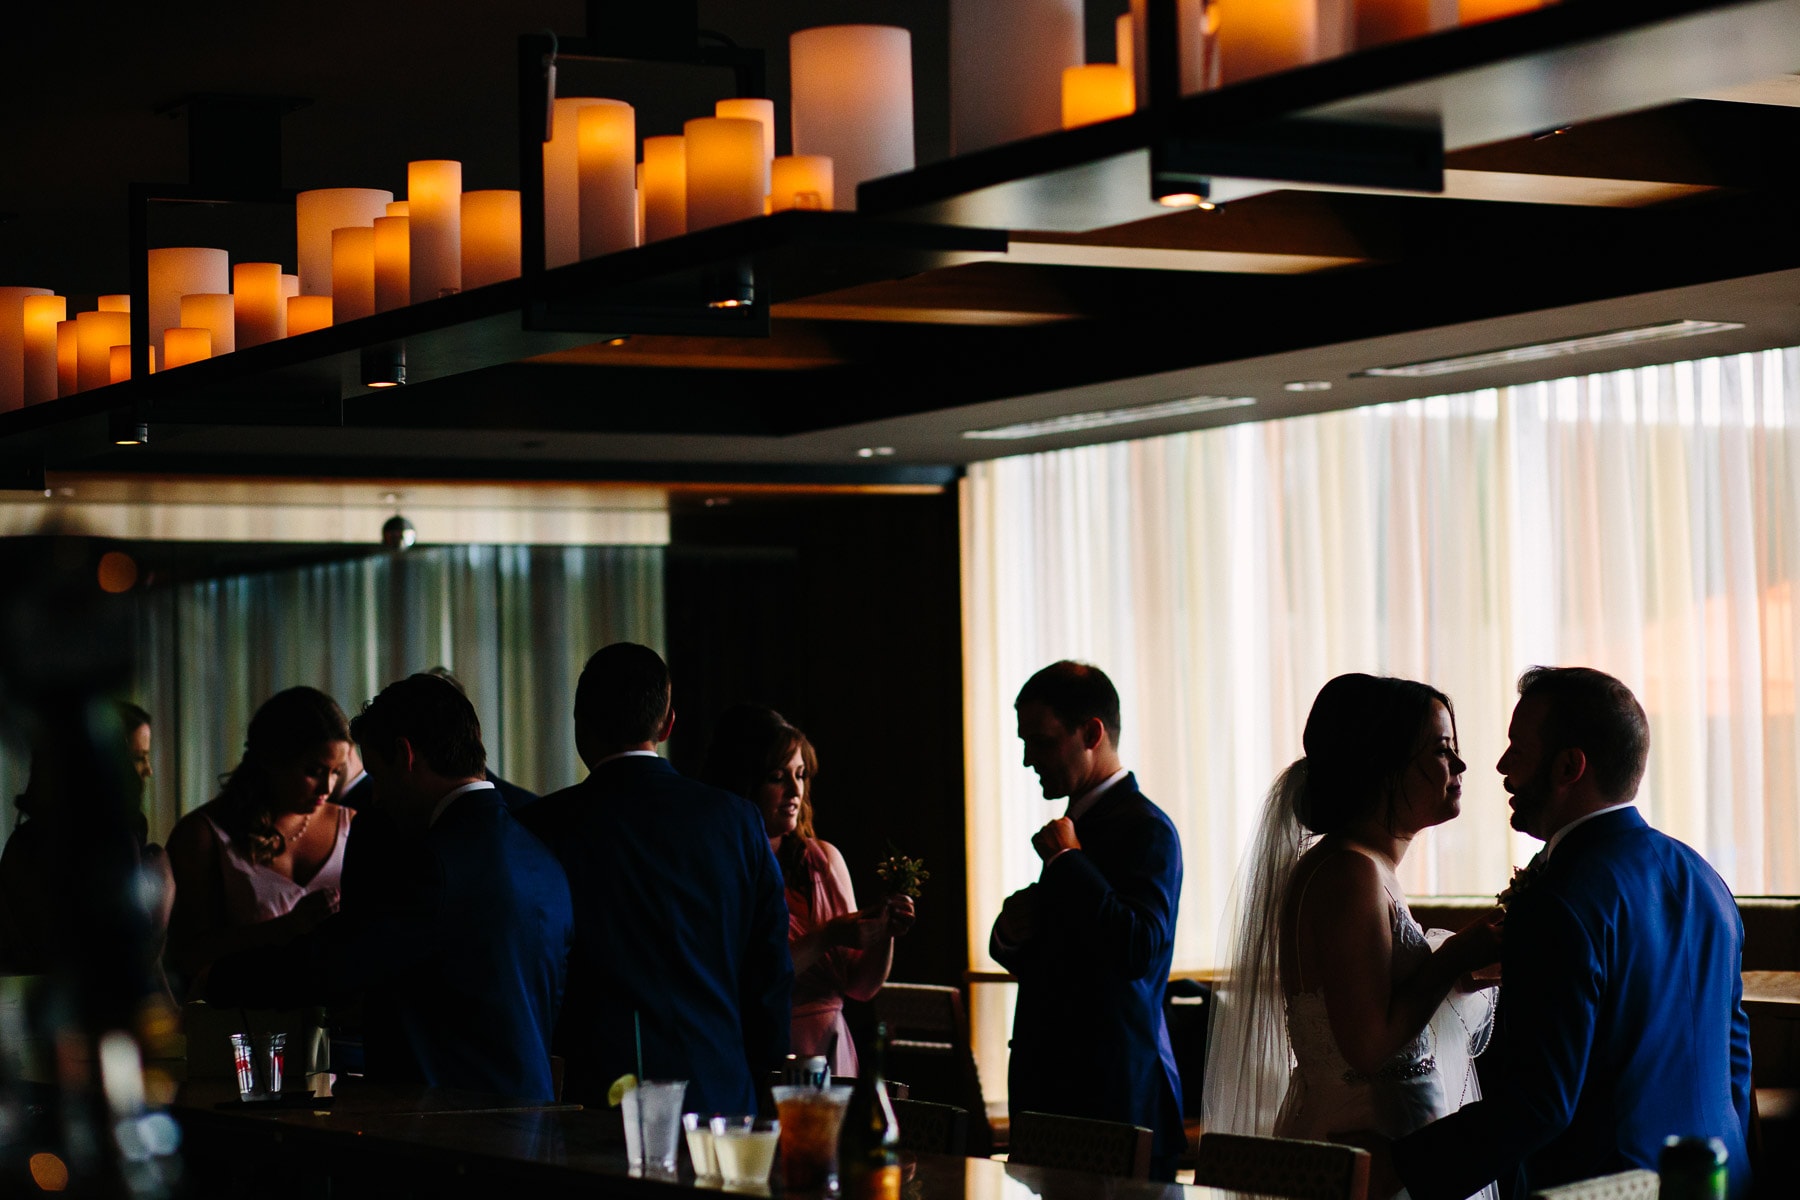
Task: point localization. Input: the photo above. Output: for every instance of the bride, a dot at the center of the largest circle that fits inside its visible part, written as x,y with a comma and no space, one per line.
1340,1014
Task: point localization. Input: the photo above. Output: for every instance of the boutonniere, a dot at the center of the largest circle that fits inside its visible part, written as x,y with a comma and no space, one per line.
1522,878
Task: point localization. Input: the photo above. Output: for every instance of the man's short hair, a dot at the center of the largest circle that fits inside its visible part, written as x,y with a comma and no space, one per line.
1591,711
622,698
434,717
1075,692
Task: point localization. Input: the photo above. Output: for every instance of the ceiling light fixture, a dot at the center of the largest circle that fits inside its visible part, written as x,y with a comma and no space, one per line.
1107,418
1183,200
384,366
1307,385
1586,344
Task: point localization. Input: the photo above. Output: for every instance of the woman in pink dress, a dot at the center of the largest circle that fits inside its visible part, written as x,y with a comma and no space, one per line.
259,865
839,951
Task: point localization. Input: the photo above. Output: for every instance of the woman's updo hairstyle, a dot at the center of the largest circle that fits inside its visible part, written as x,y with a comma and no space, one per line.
1362,733
289,725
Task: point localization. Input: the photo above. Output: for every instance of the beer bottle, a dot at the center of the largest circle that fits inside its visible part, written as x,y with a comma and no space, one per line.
1692,1168
869,1147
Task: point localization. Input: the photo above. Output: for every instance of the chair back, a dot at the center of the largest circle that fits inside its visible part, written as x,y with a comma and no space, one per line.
1286,1167
927,1128
1626,1185
928,1046
1079,1144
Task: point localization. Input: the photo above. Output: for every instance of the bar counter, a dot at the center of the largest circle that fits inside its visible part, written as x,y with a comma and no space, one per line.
399,1142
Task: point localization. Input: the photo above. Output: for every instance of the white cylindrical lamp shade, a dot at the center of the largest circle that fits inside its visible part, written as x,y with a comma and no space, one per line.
562,182
1470,12
490,237
606,158
1096,92
68,358
316,214
727,175
96,333
852,101
41,315
752,110
182,345
120,363
178,271
12,344
801,181
307,313
261,309
665,187
393,263
1006,64
352,274
217,314
434,200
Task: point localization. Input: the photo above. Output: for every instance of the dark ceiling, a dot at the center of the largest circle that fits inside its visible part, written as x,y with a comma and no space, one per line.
908,349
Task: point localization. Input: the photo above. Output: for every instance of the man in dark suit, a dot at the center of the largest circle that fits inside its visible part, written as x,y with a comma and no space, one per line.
1091,940
466,948
680,919
1621,997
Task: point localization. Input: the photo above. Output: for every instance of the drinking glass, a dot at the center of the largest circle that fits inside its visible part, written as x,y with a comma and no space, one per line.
700,1145
810,1118
249,1079
653,1122
745,1148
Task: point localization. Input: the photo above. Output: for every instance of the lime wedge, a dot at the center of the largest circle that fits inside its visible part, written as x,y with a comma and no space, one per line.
615,1095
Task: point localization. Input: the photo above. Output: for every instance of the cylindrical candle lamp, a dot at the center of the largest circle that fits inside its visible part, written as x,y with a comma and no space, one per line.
490,237
665,187
852,101
1096,92
215,313
115,303
393,261
434,199
1381,21
12,344
96,333
40,316
120,363
641,239
68,358
1468,12
398,208
1125,42
178,271
352,274
1006,64
800,181
307,313
1260,37
290,286
316,214
752,110
727,175
562,182
260,306
606,146
182,345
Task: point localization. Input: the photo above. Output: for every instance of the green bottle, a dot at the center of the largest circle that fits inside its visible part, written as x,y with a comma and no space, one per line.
1692,1168
869,1146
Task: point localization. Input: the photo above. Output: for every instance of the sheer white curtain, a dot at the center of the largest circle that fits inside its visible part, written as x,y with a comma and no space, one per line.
1643,522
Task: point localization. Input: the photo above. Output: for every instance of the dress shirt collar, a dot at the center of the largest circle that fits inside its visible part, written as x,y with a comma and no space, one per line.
1557,837
451,797
1079,806
353,784
623,754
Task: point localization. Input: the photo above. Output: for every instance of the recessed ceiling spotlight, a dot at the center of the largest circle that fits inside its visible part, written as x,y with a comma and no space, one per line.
618,341
1183,200
1307,385
1106,418
1586,344
875,452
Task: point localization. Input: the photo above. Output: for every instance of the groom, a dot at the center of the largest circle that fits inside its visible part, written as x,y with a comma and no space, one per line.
1621,994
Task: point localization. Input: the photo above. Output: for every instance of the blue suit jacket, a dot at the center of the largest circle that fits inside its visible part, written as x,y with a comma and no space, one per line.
466,953
680,920
1089,1039
1622,1018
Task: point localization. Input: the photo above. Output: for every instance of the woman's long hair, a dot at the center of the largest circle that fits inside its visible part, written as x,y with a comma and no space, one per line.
1360,736
749,744
288,726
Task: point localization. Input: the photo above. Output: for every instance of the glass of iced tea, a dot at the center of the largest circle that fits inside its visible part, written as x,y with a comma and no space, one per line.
810,1119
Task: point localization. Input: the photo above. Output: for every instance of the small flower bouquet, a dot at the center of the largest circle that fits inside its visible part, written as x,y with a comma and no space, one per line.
1521,879
903,876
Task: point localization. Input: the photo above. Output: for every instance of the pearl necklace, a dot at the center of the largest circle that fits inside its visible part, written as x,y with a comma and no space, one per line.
300,832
